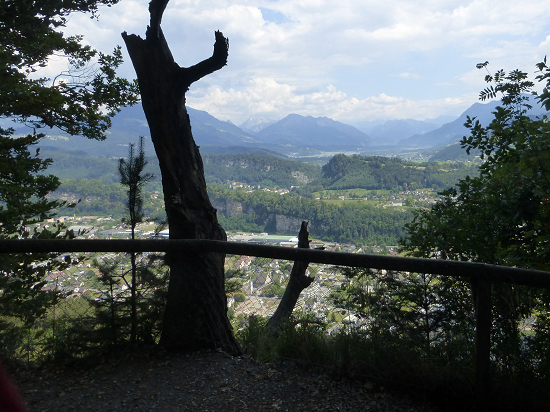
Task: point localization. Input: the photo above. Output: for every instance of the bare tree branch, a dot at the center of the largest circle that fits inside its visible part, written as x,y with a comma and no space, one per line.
156,9
216,62
298,281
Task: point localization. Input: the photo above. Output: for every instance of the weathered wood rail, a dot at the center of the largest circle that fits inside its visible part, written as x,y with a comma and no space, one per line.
482,274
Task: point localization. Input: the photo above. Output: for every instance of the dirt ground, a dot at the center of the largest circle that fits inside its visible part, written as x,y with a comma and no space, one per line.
200,382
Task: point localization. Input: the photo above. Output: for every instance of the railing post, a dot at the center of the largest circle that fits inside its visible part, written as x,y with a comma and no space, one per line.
483,339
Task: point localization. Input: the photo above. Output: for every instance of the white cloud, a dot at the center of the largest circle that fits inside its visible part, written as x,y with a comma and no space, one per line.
408,75
264,97
339,59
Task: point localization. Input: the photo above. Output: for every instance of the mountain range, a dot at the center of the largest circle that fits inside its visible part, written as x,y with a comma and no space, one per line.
294,135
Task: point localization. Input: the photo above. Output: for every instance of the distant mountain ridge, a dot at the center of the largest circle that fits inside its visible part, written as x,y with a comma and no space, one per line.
393,131
453,132
296,130
255,124
294,135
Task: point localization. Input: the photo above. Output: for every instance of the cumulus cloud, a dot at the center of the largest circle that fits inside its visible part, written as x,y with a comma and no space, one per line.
265,97
338,59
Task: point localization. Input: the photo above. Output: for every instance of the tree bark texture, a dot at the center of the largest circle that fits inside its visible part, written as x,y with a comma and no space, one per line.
196,311
298,281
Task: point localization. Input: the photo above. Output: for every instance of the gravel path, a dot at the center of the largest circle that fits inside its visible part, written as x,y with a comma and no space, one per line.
200,382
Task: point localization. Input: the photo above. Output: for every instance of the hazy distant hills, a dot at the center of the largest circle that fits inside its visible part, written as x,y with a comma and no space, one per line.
130,123
207,130
393,131
296,130
292,135
453,132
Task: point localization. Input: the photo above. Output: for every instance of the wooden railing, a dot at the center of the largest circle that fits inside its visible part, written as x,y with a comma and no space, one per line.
482,274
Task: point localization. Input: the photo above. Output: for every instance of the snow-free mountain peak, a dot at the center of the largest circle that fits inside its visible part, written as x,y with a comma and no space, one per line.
308,131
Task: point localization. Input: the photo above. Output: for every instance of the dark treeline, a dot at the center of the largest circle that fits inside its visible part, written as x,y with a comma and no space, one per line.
80,165
351,222
92,188
456,152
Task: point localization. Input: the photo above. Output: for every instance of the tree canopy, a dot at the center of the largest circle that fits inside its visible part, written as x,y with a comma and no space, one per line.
502,215
79,101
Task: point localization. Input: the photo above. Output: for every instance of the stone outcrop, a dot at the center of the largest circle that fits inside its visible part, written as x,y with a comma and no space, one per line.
230,207
273,222
287,224
301,177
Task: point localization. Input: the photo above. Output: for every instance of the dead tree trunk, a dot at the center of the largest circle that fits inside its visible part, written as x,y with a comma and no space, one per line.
196,311
298,281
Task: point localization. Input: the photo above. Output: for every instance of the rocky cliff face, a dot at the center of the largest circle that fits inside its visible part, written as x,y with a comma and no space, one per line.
273,222
301,177
230,207
287,224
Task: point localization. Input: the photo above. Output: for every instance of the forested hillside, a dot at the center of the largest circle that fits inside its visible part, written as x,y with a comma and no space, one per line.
351,222
376,172
80,165
97,198
254,169
454,152
94,181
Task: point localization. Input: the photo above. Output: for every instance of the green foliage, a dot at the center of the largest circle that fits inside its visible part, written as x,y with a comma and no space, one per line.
116,307
92,188
132,176
254,169
31,33
234,281
351,222
243,222
454,152
274,289
240,297
414,331
500,216
101,199
297,339
80,165
433,314
79,101
376,172
23,204
23,185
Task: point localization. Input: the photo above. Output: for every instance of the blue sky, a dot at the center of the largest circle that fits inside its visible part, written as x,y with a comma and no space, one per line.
351,60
